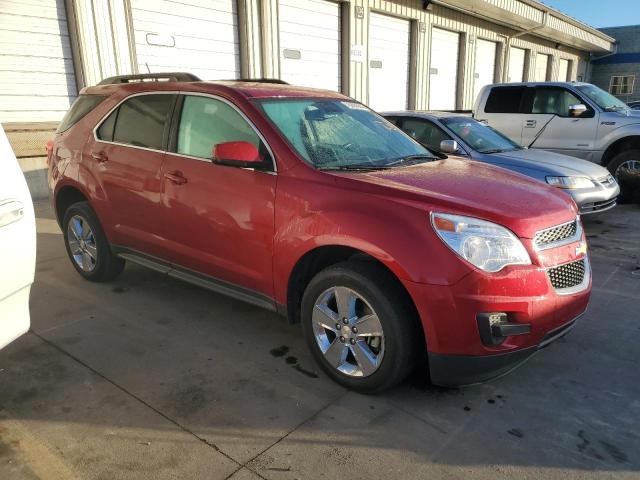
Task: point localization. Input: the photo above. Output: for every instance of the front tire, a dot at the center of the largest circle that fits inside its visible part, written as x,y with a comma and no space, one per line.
360,326
87,245
625,167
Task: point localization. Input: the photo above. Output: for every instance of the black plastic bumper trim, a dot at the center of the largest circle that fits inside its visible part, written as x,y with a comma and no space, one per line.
465,370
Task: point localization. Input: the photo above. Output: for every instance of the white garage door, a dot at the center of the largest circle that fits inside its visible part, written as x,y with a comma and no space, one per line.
485,65
196,36
388,62
310,43
516,64
563,70
37,82
542,67
443,78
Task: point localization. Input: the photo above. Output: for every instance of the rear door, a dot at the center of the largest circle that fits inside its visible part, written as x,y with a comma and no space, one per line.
485,65
503,111
17,246
126,156
517,58
388,62
310,43
443,77
219,220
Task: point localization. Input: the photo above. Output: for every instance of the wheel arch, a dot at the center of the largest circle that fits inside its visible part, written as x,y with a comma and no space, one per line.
66,196
321,257
625,143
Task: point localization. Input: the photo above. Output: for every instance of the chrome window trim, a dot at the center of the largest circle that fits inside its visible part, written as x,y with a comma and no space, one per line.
197,94
104,118
559,243
578,288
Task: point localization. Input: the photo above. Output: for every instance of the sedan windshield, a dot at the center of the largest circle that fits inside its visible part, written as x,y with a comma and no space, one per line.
603,99
480,137
342,135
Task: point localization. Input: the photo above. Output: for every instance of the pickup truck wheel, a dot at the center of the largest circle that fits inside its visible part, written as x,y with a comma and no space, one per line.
625,167
87,244
359,326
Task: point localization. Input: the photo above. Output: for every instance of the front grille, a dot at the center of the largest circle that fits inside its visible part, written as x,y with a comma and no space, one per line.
555,234
597,206
607,180
567,275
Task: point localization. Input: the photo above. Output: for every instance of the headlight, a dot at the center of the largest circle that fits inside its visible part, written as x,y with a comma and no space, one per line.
570,182
486,245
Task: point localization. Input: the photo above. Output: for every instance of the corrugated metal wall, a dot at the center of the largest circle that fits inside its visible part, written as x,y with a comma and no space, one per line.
37,81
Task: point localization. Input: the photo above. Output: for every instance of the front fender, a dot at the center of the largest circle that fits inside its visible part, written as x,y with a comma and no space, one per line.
612,135
398,235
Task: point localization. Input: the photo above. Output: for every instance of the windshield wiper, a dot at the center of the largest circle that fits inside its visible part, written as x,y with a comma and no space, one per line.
353,168
410,158
613,108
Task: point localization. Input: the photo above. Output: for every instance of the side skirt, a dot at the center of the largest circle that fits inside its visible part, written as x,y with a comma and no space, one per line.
196,278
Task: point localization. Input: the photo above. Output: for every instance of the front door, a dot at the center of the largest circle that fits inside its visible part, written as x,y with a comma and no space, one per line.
555,129
219,220
127,159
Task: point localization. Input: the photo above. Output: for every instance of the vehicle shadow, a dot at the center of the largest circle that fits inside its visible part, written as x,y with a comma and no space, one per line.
150,376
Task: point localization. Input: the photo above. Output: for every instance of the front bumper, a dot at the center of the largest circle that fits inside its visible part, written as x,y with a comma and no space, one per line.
595,200
465,370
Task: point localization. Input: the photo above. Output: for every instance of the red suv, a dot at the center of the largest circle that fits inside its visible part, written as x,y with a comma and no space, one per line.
307,203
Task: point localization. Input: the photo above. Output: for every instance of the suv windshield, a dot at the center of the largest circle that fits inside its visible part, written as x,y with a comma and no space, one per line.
479,136
604,100
341,134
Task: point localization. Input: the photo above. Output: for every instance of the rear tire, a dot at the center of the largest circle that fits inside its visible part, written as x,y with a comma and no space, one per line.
625,167
359,359
87,245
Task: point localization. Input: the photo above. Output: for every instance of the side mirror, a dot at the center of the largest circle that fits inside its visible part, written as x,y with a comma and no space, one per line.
237,154
577,110
449,146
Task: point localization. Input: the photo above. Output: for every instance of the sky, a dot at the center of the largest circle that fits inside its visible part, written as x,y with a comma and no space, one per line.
600,13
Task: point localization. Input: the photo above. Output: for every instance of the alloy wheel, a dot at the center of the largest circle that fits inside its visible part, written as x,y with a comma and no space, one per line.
82,243
627,169
348,332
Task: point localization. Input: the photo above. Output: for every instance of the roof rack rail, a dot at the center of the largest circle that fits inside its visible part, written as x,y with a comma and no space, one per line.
257,80
154,77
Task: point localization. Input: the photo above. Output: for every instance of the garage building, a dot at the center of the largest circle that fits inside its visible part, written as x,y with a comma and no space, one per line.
389,54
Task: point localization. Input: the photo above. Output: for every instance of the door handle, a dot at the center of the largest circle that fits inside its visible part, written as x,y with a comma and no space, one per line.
530,124
99,157
11,211
175,177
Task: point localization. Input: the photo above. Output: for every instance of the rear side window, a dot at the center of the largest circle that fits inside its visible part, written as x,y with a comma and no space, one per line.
141,121
81,107
504,100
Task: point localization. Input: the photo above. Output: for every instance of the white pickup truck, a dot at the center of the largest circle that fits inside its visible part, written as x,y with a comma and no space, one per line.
573,118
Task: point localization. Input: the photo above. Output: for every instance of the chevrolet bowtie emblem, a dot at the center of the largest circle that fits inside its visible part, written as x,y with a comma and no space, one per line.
581,249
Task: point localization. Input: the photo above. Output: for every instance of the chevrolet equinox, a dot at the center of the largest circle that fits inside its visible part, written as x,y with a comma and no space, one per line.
307,203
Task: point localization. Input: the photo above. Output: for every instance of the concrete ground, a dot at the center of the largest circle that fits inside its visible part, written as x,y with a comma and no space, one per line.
151,378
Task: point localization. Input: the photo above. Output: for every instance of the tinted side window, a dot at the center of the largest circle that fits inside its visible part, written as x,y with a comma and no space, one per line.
81,107
504,100
552,100
425,132
206,122
105,130
142,121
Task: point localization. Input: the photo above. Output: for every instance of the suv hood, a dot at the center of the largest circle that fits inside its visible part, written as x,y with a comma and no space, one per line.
549,163
470,188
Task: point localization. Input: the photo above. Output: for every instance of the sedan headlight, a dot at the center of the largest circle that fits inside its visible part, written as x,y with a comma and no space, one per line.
570,182
486,245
